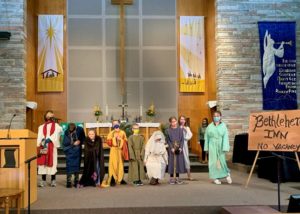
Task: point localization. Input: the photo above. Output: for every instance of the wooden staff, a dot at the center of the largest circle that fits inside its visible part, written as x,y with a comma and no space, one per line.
175,162
174,173
118,162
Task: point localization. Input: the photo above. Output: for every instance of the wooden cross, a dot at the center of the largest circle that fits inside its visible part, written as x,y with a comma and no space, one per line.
122,4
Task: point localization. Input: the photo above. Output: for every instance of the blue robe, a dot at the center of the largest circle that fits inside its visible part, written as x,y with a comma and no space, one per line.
73,153
176,135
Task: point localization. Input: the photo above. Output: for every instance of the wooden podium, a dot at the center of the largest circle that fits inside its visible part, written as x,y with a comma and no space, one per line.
13,170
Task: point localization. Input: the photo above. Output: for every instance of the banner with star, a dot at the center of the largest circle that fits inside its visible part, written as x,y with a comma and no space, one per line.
192,54
50,53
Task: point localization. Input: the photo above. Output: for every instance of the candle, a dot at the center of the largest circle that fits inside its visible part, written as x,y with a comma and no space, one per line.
141,111
106,110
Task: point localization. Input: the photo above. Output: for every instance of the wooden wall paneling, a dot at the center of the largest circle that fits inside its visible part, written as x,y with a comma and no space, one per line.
56,101
193,105
31,62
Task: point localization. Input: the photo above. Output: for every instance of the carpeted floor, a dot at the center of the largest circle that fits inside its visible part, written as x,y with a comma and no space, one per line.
199,196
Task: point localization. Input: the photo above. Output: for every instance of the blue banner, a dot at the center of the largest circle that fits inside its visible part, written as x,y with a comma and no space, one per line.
278,64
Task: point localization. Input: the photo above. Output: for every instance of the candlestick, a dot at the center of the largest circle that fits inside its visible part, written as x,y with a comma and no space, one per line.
106,110
141,111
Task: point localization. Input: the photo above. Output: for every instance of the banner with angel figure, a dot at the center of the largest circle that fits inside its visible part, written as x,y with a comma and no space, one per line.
192,54
278,65
50,53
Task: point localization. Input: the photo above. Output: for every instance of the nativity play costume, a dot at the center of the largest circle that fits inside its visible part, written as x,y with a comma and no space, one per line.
118,153
187,135
49,139
217,144
136,148
73,153
156,157
94,171
175,139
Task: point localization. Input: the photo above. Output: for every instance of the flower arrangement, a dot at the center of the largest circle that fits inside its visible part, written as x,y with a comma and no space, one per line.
151,111
97,112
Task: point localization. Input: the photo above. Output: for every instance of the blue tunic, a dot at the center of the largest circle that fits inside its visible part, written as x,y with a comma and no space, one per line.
176,134
73,153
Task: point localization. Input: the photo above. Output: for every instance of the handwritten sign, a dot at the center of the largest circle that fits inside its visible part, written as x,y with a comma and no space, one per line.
275,131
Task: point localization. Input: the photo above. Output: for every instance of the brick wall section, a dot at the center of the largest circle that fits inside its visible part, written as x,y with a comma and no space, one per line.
239,89
12,63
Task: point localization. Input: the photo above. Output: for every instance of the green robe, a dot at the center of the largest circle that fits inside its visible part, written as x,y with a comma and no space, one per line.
217,144
136,148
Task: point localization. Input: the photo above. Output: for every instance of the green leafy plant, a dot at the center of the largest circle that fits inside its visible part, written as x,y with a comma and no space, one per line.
127,128
97,111
163,128
151,111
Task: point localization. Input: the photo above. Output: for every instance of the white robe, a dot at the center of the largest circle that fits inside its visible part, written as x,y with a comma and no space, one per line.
55,138
187,136
156,165
156,158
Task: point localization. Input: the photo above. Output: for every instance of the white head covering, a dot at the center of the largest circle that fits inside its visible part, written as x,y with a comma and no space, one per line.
154,147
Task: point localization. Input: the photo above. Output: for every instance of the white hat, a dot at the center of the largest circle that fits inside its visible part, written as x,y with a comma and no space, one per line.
157,137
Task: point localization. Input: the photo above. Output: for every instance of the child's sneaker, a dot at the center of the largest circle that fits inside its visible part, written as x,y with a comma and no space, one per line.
217,181
178,181
172,181
69,185
42,184
53,183
94,176
229,180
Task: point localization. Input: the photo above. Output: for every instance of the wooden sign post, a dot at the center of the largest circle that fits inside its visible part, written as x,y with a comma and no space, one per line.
276,131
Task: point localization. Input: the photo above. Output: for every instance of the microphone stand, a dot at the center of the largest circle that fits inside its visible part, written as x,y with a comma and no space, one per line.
28,161
10,152
8,130
279,158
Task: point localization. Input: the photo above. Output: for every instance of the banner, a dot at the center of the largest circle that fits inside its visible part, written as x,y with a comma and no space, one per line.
50,53
274,131
192,54
278,64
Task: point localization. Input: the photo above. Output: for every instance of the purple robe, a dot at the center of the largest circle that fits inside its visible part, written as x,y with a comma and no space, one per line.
176,135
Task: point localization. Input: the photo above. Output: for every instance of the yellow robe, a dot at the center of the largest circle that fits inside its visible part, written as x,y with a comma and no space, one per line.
116,159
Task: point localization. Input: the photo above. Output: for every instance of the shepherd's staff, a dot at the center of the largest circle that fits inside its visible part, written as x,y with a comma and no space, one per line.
174,175
175,162
118,162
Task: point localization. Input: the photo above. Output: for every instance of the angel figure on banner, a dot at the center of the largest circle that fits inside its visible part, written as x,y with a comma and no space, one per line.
270,52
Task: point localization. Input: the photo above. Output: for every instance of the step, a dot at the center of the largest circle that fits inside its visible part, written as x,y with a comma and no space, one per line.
62,157
248,209
195,167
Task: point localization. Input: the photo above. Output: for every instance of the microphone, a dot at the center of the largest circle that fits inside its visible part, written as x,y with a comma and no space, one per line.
8,130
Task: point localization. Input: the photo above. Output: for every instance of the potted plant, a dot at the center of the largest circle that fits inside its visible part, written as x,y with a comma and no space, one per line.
97,112
150,113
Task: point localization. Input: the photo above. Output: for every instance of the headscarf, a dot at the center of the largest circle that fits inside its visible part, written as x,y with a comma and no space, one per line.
156,148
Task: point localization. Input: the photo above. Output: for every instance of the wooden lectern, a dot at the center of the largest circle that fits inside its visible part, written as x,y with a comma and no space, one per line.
13,170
